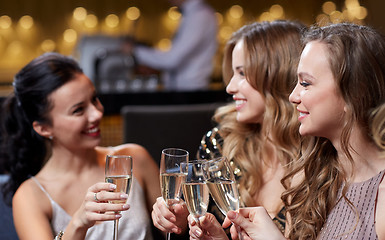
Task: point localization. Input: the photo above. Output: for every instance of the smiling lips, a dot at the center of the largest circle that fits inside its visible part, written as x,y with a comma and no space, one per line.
239,103
94,131
302,115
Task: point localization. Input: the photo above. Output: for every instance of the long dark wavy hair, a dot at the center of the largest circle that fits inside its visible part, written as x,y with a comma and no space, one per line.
22,151
356,56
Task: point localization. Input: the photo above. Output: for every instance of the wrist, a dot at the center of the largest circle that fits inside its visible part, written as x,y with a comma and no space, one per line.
59,236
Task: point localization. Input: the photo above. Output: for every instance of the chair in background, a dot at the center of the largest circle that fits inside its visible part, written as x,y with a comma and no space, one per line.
7,228
161,126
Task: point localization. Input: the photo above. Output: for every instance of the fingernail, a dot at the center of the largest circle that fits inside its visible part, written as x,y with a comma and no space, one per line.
175,230
126,206
192,222
198,232
118,215
123,195
112,186
172,219
232,215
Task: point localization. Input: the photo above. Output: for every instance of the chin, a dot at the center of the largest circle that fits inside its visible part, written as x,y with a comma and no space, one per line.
241,119
304,132
95,142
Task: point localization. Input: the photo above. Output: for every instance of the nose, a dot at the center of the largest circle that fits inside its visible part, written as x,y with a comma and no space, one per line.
96,112
295,95
232,88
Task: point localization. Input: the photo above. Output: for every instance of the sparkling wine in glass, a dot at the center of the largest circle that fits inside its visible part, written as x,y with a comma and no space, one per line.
171,177
119,172
220,180
194,188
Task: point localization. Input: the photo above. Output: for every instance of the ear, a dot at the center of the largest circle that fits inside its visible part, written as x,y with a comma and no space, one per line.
43,130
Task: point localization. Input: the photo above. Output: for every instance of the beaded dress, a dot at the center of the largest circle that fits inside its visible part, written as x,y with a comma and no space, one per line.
211,147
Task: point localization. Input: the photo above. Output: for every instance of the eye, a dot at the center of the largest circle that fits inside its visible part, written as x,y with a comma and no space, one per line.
78,110
239,71
304,84
95,99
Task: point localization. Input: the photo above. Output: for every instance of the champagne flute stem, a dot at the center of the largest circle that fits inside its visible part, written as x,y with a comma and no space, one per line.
168,235
116,223
239,230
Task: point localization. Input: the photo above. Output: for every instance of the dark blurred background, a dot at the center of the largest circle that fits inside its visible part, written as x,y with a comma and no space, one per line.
29,28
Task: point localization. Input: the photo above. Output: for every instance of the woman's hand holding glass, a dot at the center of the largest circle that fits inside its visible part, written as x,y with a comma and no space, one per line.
207,229
118,171
168,220
220,179
255,223
95,206
171,178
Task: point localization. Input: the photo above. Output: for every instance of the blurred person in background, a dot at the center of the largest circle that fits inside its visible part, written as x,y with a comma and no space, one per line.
188,64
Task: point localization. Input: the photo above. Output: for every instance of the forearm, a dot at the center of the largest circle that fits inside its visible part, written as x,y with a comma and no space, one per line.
74,231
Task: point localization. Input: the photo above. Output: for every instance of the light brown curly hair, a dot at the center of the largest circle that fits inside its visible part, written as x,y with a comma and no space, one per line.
356,56
272,51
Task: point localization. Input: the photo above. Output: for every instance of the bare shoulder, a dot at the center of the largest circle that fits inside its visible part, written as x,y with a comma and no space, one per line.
31,191
380,212
31,217
138,152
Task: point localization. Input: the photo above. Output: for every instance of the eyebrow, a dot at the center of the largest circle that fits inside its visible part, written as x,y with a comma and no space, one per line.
76,105
305,75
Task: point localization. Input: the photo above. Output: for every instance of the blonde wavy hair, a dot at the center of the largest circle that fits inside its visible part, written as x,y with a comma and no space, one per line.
272,51
356,55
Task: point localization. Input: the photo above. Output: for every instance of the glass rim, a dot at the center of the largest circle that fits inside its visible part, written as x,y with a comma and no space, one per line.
186,153
195,161
118,156
217,159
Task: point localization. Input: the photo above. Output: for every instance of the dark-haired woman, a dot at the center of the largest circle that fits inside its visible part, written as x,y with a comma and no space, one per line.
51,133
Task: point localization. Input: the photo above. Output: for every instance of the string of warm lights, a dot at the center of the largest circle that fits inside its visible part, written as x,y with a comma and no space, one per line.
20,42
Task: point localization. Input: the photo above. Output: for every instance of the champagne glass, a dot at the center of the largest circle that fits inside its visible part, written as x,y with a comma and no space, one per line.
221,182
171,177
119,172
194,188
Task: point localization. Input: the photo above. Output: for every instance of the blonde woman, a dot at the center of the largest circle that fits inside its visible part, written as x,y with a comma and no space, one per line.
338,187
258,132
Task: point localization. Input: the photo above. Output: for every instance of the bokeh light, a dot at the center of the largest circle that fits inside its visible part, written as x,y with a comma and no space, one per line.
236,11
5,22
277,11
91,21
80,13
70,36
133,13
112,21
328,7
164,44
48,45
26,22
174,14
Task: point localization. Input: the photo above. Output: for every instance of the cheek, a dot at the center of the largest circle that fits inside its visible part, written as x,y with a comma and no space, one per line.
68,125
257,109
